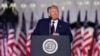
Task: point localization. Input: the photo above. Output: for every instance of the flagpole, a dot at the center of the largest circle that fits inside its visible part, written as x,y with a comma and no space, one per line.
63,8
23,7
43,7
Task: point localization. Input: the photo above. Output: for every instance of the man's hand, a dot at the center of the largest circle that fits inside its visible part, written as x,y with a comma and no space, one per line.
55,34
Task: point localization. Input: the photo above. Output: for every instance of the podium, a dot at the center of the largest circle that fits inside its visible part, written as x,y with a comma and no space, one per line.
50,46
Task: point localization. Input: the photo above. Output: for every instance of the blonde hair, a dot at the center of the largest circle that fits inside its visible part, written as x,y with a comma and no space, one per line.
52,6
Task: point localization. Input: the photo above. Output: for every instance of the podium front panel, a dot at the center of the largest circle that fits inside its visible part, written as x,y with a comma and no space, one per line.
63,48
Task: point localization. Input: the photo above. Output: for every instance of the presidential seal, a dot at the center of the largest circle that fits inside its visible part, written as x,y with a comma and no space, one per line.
50,46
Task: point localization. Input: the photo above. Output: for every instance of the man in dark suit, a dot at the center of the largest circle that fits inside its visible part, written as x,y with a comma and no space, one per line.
52,25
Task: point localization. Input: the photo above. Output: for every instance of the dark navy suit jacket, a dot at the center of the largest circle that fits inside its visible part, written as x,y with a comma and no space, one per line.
43,28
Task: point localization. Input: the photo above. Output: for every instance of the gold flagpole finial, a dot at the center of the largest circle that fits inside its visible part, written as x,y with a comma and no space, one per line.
23,6
4,6
32,6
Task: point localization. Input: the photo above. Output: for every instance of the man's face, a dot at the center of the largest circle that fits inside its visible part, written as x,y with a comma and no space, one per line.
53,13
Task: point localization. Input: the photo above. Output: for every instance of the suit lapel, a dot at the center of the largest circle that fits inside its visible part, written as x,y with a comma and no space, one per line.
58,26
48,26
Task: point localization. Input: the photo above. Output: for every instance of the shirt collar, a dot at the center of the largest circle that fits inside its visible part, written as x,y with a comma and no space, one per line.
54,21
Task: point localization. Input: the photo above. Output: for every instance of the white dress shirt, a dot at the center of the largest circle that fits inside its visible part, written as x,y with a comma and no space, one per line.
55,24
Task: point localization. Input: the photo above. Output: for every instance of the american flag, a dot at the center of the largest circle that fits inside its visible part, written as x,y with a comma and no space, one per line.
22,38
1,40
87,38
28,44
68,17
42,17
11,40
5,35
96,51
77,40
62,17
96,46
